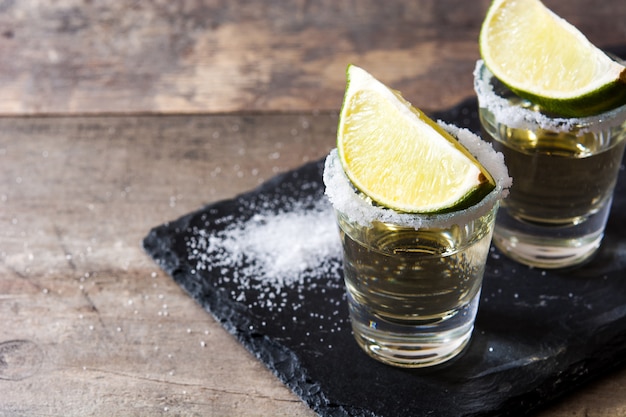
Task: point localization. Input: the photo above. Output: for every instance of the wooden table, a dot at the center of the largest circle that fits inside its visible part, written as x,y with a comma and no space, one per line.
119,116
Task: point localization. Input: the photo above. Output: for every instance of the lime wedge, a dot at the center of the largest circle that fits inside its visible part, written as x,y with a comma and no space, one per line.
400,158
546,60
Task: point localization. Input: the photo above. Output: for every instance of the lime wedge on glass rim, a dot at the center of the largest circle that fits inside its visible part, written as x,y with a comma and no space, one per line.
543,58
400,158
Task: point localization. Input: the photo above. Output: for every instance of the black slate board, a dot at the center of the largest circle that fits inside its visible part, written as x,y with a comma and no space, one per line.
539,334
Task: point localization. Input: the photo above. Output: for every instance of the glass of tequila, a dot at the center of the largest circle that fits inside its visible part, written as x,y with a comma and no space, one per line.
564,171
413,281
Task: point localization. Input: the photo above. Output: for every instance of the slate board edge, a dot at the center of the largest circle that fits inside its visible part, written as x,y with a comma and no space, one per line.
310,393
549,391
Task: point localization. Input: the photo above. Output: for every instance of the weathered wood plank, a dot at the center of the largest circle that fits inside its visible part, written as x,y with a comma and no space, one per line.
116,335
75,56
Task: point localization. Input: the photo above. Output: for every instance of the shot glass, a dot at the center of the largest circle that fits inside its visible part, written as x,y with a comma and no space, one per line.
564,171
414,281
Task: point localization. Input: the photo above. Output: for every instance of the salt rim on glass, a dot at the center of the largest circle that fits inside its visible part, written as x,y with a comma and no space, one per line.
519,117
346,199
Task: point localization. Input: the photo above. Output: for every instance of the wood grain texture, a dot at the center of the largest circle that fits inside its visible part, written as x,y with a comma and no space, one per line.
107,332
118,336
82,56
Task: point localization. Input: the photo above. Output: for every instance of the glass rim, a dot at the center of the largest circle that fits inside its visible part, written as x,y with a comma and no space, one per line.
347,200
519,117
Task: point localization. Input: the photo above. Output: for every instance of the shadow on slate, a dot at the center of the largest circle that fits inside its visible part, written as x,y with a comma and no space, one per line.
538,335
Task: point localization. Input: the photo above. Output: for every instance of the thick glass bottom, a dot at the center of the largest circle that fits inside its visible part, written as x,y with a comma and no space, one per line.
546,253
550,247
412,344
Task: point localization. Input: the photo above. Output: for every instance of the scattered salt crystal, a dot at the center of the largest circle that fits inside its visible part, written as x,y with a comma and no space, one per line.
271,250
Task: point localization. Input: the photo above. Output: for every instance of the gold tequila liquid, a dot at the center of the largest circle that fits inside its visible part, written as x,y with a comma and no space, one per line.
564,172
413,281
560,179
414,293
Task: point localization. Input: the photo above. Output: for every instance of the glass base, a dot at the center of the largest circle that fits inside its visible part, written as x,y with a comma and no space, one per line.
550,247
414,344
548,253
